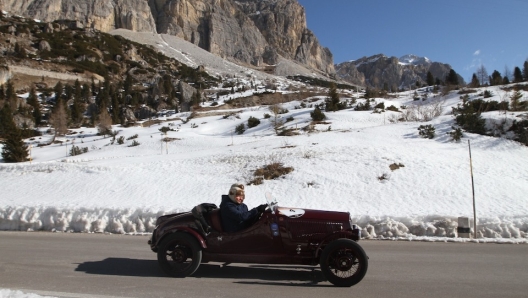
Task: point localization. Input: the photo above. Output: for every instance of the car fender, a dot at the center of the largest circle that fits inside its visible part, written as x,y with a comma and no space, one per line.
338,235
188,230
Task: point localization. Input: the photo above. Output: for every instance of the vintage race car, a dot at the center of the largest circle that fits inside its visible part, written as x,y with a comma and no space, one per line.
280,235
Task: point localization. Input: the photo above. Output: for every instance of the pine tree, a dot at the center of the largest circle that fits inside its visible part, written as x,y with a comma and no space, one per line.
2,93
115,108
474,82
515,101
430,79
58,89
332,102
7,125
77,109
33,102
10,94
14,149
517,75
496,78
452,78
525,70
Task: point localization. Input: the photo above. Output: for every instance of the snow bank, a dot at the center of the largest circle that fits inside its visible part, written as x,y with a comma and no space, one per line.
127,221
7,293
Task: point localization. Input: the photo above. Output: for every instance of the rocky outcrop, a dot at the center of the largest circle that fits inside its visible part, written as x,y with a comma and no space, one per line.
250,31
380,71
98,14
283,24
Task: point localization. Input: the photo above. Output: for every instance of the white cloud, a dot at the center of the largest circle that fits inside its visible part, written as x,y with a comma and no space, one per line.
477,52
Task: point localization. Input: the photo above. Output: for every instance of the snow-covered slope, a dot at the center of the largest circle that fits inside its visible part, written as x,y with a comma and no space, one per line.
342,164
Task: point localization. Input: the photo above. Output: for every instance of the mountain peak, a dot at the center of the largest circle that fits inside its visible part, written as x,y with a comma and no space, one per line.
414,60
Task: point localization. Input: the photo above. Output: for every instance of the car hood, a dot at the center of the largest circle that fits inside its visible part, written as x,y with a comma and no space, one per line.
313,214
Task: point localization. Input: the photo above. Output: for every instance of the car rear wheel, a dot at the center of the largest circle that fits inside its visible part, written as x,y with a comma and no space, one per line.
179,255
344,263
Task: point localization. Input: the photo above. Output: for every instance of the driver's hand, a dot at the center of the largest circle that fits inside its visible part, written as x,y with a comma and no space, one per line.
262,208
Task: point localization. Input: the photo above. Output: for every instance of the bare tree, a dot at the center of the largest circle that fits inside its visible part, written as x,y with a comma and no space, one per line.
104,125
276,121
59,119
507,73
482,75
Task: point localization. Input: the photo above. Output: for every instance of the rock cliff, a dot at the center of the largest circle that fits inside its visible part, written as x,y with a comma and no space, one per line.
253,32
380,71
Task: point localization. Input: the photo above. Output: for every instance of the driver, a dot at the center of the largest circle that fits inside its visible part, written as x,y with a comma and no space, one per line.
234,213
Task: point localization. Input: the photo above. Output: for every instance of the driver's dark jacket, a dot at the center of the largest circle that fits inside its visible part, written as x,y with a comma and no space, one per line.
235,217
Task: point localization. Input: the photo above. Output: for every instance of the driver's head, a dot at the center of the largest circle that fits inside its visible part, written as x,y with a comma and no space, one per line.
236,193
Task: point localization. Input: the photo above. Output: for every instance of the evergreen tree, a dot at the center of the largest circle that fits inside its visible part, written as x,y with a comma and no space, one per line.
14,149
430,79
32,100
2,93
77,109
515,101
525,70
496,78
474,82
452,78
10,94
332,102
469,119
85,93
115,108
58,89
317,115
127,86
7,125
505,80
517,75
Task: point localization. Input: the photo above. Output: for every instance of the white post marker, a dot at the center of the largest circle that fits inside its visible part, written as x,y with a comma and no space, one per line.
473,188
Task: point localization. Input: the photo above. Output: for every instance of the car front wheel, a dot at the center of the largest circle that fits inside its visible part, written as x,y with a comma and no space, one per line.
179,255
344,263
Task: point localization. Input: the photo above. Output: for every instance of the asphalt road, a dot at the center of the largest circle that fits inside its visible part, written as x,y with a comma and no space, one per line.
95,265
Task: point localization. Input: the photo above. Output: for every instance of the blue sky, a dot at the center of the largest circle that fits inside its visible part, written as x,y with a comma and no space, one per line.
464,34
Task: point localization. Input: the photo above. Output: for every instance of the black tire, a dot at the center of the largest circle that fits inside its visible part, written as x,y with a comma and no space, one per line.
343,262
179,255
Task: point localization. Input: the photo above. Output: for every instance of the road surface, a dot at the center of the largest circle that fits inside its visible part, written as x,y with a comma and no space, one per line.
98,265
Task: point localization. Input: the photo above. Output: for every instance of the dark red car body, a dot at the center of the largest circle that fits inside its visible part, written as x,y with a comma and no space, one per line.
285,236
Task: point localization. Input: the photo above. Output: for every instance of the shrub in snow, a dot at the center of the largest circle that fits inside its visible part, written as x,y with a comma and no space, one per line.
252,122
317,115
456,134
239,129
487,94
520,128
393,108
469,119
121,140
132,137
363,106
380,106
426,131
75,150
134,143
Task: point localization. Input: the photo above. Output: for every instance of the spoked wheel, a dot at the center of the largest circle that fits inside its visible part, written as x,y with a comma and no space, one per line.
344,263
179,255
